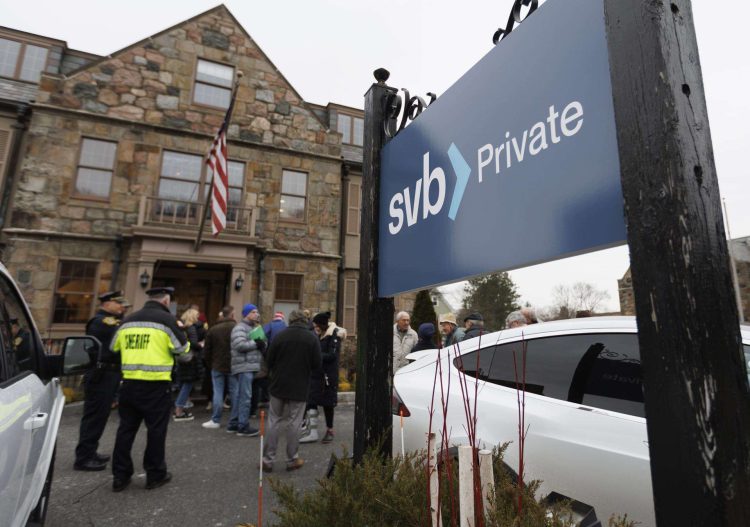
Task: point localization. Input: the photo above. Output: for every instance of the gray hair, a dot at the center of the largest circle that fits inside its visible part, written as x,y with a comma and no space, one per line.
513,317
402,314
297,316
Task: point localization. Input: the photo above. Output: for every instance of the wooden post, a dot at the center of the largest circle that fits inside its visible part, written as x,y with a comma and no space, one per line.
487,478
695,382
432,470
466,485
372,410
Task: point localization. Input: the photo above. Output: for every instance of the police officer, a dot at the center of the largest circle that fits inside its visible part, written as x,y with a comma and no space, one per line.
148,342
21,344
100,381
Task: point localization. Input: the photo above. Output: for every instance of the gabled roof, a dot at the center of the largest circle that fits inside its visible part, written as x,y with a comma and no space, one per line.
219,8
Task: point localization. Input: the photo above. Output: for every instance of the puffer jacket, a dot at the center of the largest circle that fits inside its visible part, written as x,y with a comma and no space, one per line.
246,356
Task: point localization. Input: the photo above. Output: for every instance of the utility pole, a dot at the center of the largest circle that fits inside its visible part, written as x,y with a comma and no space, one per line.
695,382
372,410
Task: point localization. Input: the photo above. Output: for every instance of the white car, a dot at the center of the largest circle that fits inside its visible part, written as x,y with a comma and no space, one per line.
586,437
31,404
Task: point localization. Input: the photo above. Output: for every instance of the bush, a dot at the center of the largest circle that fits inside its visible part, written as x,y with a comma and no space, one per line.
393,492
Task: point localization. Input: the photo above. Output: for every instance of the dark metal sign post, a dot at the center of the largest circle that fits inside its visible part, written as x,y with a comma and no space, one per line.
695,383
372,411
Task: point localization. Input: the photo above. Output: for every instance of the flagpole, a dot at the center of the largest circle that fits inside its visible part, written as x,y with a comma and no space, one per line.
210,192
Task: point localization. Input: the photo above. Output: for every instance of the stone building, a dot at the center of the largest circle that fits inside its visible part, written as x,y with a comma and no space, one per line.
104,180
739,250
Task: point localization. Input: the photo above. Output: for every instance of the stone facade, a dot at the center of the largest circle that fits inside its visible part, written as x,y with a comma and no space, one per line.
740,251
141,99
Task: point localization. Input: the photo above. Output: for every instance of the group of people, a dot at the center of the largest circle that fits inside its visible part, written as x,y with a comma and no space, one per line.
406,340
144,353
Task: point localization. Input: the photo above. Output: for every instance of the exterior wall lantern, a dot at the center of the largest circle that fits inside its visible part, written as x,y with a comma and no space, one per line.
238,283
144,279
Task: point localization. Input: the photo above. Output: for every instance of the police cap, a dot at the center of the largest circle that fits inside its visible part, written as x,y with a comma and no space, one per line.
157,291
114,296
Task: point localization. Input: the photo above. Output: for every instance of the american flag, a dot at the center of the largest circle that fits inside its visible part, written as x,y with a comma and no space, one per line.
217,162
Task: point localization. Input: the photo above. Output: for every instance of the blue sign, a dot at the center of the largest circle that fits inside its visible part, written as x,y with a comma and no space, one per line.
515,164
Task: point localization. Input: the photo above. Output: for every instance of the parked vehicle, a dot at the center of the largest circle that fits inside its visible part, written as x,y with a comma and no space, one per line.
31,404
587,438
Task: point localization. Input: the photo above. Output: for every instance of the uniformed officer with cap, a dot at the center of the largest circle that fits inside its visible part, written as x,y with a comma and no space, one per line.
100,381
148,342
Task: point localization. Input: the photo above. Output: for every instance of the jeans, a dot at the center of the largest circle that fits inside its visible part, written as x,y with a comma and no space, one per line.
241,392
219,381
182,397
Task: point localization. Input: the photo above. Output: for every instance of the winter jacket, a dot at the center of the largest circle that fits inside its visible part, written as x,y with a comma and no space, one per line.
246,356
216,350
402,345
475,331
273,328
191,371
424,344
292,355
457,335
324,381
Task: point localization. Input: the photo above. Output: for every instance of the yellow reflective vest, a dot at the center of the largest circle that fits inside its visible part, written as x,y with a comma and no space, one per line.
148,342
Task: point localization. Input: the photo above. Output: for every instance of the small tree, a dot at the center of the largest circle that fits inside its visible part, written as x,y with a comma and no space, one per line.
424,310
581,296
494,296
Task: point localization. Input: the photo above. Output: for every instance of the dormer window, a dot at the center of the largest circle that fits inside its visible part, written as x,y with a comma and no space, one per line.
213,84
22,61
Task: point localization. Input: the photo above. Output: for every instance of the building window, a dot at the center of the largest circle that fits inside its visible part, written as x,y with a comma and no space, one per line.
236,183
350,306
288,293
95,167
180,184
213,84
74,292
293,195
22,61
354,207
352,129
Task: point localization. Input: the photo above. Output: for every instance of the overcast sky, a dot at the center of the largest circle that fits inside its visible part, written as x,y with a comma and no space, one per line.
328,49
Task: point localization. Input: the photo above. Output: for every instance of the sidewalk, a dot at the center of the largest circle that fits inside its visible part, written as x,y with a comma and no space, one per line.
215,476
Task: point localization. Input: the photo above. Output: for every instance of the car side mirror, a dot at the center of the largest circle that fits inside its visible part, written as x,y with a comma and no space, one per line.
78,352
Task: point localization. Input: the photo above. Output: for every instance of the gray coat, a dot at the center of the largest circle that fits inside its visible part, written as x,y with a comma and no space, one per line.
246,356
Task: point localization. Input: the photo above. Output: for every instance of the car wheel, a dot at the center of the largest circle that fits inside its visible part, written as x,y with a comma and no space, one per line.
39,515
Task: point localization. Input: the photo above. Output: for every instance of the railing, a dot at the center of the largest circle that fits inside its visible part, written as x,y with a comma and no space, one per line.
166,212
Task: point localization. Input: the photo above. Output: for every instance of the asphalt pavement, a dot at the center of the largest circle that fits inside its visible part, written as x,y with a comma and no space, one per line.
214,483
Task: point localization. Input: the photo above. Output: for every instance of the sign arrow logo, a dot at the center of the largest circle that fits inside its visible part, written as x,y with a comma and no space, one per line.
462,170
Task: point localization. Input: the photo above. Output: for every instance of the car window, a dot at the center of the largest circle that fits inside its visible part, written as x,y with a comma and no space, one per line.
16,342
601,370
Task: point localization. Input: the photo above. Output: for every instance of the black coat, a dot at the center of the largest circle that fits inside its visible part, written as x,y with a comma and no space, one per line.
324,381
292,355
191,371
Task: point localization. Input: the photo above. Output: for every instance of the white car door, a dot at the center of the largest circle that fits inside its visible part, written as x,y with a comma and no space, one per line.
30,410
583,411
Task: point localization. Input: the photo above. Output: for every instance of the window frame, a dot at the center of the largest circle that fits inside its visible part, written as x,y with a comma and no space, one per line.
350,209
276,276
350,284
94,292
74,190
306,196
353,118
196,81
203,182
22,55
461,366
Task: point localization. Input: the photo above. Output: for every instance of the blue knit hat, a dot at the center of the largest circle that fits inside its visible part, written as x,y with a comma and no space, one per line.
247,308
426,330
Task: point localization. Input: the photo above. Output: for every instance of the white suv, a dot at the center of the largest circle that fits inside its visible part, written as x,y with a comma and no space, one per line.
31,404
587,435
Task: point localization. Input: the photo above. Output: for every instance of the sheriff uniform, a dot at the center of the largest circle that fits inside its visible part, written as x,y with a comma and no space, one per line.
148,342
100,385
